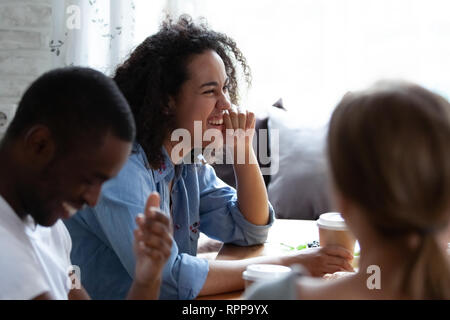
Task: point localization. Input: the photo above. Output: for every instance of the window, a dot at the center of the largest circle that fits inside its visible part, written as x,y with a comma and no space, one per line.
310,52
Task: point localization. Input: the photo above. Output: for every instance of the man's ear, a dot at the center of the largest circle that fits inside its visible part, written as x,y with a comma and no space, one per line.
39,144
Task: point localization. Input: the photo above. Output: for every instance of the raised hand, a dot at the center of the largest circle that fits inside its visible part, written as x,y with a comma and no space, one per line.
239,132
152,245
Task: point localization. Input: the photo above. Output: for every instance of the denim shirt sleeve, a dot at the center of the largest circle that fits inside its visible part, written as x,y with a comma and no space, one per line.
122,199
220,216
183,276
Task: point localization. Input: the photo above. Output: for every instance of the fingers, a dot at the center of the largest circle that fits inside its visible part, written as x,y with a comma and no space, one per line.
158,223
153,200
154,228
335,262
154,242
338,252
160,254
320,261
153,233
242,120
158,251
227,121
234,119
237,119
251,121
337,257
152,210
239,133
330,269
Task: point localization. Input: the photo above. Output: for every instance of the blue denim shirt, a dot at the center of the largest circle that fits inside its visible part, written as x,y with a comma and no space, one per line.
103,236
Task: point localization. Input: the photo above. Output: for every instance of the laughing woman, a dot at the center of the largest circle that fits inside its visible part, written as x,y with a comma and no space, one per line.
182,74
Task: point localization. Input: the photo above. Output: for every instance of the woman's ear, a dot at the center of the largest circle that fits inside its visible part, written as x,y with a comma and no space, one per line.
172,102
171,105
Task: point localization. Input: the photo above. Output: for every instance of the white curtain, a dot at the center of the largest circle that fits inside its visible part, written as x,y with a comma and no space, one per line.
100,33
308,52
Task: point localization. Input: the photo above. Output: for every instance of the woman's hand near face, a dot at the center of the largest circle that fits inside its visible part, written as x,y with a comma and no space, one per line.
251,190
239,133
152,247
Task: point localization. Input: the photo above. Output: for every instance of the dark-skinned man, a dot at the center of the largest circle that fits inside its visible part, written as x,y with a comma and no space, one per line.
73,130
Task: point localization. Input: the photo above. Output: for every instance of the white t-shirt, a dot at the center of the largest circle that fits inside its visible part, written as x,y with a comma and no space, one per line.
33,259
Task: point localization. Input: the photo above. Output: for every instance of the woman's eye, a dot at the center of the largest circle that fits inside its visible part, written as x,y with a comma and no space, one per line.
212,91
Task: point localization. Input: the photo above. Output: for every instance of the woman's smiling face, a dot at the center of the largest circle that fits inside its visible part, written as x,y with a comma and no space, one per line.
204,96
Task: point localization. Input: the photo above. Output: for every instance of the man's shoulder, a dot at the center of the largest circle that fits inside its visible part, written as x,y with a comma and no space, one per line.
20,274
16,251
12,238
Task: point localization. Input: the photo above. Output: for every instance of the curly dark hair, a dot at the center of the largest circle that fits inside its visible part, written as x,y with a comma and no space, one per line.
156,70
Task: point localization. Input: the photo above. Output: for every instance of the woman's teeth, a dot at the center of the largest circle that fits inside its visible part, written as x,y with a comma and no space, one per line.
216,122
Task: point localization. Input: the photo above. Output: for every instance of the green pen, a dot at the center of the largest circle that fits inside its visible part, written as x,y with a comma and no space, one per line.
287,246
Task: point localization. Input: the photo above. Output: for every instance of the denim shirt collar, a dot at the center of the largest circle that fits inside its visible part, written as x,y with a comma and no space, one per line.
167,168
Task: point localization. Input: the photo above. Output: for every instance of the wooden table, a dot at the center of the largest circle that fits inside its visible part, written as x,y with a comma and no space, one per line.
284,231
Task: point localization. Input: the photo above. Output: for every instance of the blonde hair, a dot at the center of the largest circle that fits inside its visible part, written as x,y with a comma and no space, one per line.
389,152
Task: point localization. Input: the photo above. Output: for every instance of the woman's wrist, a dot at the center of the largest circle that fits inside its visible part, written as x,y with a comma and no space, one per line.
247,158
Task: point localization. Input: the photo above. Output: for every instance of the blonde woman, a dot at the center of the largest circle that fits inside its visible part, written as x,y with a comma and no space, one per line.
389,157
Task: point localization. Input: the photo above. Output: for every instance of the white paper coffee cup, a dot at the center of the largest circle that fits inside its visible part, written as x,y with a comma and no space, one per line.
334,231
263,272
